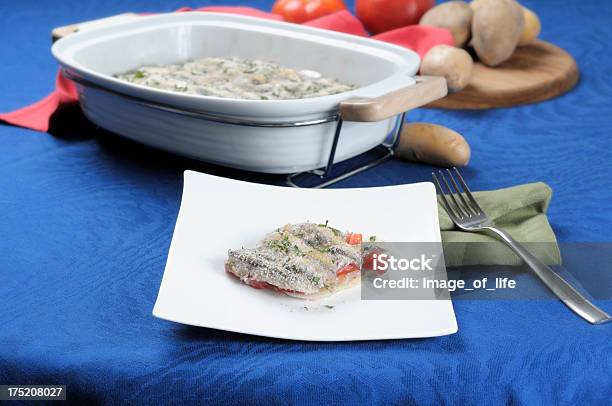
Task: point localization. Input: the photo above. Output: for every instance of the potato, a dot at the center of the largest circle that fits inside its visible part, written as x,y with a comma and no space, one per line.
497,26
454,64
532,27
455,16
433,144
474,4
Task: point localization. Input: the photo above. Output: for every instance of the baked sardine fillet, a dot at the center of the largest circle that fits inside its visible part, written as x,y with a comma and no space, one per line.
305,260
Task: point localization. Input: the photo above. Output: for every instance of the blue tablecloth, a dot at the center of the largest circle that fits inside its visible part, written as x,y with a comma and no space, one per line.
86,220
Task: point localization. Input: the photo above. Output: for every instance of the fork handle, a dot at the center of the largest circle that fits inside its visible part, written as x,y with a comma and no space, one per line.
564,291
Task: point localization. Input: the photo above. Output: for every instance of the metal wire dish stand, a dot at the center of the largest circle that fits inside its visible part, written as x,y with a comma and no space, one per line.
323,176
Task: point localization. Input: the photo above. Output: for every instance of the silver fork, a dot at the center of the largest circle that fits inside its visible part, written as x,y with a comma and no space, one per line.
467,214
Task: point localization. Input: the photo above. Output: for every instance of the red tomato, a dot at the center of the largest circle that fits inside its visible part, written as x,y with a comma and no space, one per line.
266,285
299,11
352,267
260,285
384,15
354,238
368,260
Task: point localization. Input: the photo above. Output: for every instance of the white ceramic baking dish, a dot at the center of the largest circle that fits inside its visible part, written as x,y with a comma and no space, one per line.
296,134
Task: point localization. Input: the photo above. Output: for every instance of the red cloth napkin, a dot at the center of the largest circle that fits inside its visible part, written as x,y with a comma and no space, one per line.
418,38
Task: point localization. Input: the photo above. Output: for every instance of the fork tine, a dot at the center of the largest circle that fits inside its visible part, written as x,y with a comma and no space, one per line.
457,207
445,203
469,210
468,192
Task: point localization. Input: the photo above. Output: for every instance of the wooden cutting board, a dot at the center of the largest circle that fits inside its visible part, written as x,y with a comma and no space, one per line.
536,72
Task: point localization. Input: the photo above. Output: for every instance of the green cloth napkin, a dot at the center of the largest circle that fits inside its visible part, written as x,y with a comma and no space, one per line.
518,210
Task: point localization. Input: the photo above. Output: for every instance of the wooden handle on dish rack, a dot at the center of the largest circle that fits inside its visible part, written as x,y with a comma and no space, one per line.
61,32
425,90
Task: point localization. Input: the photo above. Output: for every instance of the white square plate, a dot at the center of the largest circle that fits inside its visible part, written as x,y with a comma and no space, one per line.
218,214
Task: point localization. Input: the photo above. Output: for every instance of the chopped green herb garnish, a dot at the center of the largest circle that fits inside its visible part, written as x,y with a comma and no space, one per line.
297,250
336,232
139,74
329,306
324,250
282,244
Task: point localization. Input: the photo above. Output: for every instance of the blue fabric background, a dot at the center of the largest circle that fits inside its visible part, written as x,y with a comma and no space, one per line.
86,220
